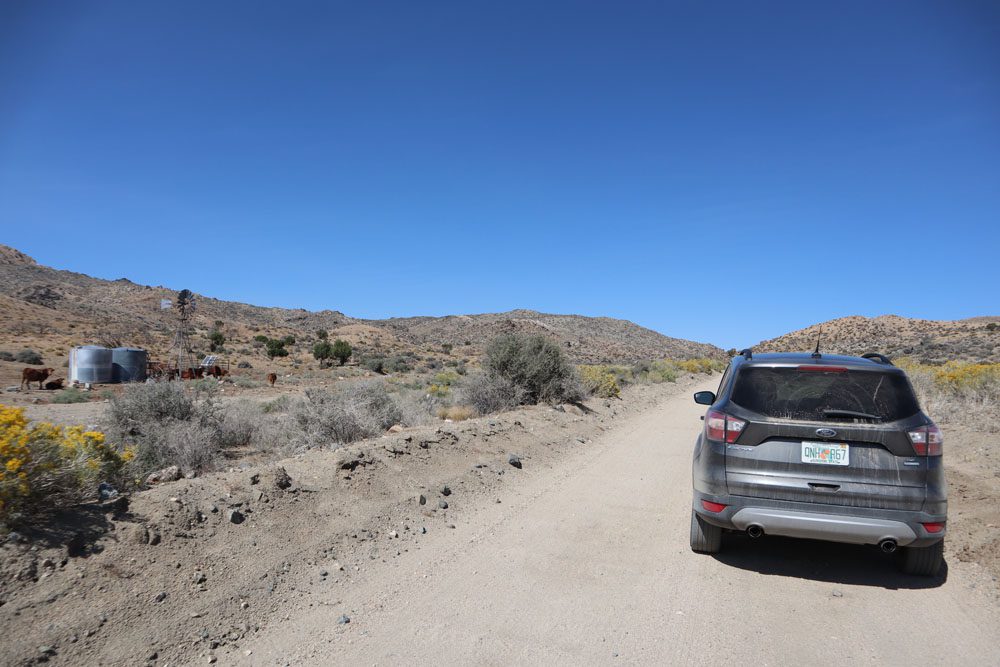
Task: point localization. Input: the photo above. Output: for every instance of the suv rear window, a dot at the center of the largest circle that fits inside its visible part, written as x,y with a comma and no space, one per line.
791,393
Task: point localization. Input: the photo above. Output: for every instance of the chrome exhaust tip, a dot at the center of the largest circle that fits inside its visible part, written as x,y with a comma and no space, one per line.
755,531
887,546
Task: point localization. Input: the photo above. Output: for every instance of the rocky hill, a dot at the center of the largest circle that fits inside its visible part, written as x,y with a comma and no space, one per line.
45,306
930,341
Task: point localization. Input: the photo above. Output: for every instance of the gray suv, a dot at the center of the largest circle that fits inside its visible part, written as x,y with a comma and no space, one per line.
823,447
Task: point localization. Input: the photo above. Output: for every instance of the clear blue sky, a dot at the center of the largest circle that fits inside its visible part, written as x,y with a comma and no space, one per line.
724,172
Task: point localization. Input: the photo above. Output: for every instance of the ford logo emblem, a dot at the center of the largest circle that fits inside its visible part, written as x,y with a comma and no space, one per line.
825,432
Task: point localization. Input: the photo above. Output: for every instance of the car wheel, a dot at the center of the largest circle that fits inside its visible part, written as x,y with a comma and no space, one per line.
922,561
705,538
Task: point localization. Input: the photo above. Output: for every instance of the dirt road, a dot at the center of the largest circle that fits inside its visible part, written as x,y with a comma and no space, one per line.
591,565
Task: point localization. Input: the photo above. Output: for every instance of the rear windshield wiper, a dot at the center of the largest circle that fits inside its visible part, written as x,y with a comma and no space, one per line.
850,413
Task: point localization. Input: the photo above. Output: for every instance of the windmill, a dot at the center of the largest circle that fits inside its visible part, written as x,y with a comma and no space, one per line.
180,347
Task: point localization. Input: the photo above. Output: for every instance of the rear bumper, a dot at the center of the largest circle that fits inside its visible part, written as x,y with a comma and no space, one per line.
833,523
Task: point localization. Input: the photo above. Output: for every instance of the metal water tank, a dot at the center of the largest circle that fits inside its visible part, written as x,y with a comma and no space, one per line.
129,364
90,363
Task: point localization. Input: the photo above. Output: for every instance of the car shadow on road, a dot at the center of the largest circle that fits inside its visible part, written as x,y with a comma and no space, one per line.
821,561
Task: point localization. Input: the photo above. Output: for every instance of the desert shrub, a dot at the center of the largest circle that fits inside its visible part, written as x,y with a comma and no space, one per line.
280,404
28,357
322,334
261,338
6,356
341,351
347,414
216,340
446,378
417,408
45,467
275,348
957,392
534,364
288,340
447,348
323,351
71,395
439,390
600,381
456,413
701,365
167,426
491,393
662,371
375,364
243,382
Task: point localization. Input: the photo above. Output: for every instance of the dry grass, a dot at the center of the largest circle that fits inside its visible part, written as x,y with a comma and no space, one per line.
456,413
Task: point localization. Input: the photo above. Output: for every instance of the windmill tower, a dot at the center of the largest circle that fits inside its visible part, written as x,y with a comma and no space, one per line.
180,348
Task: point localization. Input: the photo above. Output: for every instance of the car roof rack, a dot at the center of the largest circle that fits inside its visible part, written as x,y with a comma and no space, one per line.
747,353
875,356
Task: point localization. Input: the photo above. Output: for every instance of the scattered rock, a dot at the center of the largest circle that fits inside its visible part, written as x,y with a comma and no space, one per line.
255,478
280,478
837,593
443,504
514,460
396,428
445,491
393,535
422,499
344,619
235,516
170,474
199,578
244,364
160,597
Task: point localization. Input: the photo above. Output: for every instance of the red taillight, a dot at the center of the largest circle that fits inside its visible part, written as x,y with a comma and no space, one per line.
720,426
927,440
712,507
934,527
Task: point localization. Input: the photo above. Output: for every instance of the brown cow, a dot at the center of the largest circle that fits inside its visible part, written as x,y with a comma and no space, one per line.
217,372
54,384
271,379
29,375
193,373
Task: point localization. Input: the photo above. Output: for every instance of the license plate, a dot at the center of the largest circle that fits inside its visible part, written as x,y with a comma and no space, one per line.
826,453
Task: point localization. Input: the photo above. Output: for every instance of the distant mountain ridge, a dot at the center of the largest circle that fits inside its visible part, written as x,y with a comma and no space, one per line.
931,341
39,301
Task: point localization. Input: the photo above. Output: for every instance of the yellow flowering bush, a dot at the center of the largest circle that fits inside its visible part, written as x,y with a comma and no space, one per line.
600,381
43,462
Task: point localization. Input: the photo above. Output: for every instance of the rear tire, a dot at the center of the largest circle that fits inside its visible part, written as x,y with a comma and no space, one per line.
922,561
705,538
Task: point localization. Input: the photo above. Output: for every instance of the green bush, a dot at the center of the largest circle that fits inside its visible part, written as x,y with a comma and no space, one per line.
323,351
322,334
341,351
6,356
275,348
215,340
28,357
535,365
71,395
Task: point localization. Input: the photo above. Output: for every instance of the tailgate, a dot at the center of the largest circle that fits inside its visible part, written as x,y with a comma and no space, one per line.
874,477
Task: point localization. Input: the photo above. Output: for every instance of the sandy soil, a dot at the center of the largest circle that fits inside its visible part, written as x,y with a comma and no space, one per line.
578,557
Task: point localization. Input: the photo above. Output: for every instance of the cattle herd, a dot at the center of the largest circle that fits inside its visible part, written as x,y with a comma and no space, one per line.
156,371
